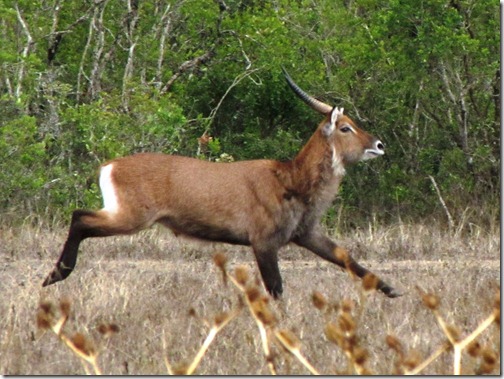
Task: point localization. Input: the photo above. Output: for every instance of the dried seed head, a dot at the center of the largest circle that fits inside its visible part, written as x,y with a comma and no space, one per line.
352,339
192,312
366,372
252,294
393,343
220,260
266,316
347,306
342,255
45,315
360,356
221,318
489,356
333,333
108,329
79,341
454,332
430,301
485,368
412,360
370,282
289,339
180,369
44,320
346,322
319,301
65,307
263,312
241,275
333,307
82,344
347,345
474,348
47,307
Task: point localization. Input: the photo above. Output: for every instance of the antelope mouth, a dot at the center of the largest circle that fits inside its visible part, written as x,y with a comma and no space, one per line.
372,153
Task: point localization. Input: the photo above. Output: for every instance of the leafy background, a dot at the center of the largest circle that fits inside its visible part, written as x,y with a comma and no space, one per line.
85,81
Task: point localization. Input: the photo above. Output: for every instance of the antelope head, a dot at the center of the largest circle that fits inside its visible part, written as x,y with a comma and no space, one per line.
349,143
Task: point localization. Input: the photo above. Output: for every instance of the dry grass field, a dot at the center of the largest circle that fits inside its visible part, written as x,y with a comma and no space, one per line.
162,295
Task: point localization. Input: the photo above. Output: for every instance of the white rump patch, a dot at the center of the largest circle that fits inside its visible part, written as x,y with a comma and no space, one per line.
110,201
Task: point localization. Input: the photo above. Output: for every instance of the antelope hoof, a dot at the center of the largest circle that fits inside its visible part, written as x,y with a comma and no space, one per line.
391,292
56,275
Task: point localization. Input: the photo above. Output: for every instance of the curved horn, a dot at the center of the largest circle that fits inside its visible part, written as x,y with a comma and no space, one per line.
311,101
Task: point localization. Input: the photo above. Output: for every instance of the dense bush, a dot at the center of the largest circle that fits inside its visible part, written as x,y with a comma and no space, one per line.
83,82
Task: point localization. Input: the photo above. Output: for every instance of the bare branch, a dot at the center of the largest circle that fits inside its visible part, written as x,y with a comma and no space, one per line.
54,38
441,200
166,25
128,73
131,19
96,71
203,58
84,54
195,62
25,53
236,81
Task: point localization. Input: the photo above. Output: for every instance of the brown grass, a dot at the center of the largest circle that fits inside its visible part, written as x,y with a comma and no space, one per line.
168,301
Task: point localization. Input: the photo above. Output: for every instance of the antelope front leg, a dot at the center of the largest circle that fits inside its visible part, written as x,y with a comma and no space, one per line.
324,247
267,261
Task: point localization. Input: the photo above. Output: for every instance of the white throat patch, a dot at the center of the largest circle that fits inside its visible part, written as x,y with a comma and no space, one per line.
337,164
110,201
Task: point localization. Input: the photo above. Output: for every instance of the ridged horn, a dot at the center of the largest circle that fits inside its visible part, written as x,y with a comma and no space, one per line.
311,101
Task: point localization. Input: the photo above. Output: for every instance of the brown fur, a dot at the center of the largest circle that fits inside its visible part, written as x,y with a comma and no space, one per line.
262,203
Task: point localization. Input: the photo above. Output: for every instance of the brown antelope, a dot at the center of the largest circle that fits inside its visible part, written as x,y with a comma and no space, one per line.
261,203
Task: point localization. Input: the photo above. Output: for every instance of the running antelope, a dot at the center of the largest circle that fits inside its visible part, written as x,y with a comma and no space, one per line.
263,203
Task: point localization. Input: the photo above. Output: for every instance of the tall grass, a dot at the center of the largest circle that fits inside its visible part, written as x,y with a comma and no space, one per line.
341,328
153,304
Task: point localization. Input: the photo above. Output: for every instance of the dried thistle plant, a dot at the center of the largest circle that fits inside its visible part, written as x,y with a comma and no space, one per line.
260,309
292,344
455,341
220,321
258,305
341,325
48,318
343,333
220,261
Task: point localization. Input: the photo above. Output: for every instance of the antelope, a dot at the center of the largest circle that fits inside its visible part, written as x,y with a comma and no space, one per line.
265,204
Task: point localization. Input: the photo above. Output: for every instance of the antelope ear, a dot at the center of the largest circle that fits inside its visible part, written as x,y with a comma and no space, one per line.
329,128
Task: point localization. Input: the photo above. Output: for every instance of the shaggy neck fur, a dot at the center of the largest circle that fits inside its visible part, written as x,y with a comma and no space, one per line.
317,170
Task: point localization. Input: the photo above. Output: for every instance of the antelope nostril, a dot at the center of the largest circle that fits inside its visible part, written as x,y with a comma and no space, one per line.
379,145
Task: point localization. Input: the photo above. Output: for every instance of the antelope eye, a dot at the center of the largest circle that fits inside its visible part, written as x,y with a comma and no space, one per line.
345,129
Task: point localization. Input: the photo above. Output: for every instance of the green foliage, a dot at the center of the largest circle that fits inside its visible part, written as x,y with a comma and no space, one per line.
22,158
100,80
